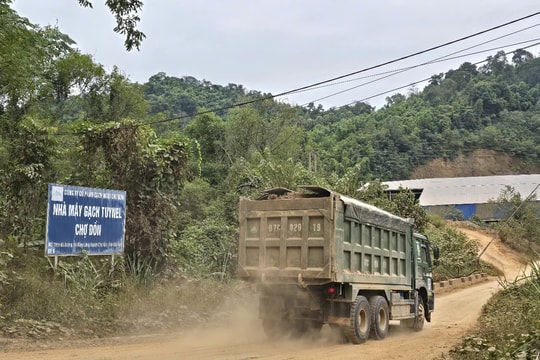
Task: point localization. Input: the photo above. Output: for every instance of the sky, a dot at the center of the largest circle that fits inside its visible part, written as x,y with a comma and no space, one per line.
274,46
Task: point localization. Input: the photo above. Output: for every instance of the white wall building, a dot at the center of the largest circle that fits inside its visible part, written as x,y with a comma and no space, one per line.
470,195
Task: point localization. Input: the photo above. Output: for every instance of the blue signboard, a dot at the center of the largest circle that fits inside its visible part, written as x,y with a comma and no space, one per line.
85,220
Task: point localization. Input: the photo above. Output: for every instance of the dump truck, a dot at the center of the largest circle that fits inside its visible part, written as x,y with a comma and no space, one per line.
319,257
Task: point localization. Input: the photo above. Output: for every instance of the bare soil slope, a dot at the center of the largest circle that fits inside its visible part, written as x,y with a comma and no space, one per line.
236,333
496,253
477,163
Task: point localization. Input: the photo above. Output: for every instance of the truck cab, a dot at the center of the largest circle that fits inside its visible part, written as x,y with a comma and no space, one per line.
423,271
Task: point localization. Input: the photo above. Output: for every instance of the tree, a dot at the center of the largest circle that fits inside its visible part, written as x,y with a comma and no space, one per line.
521,225
394,100
250,178
112,97
462,75
24,177
403,203
529,72
28,54
521,56
208,247
489,93
72,78
264,128
374,193
407,206
460,252
128,156
496,64
351,181
125,12
436,79
209,130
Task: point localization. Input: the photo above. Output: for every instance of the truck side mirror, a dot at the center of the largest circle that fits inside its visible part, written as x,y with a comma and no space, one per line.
436,255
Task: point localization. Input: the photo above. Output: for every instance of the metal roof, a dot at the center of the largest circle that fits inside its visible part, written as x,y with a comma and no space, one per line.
468,190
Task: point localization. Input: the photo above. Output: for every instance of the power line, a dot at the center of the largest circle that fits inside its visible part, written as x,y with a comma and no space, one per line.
410,55
421,81
436,60
423,64
346,75
248,102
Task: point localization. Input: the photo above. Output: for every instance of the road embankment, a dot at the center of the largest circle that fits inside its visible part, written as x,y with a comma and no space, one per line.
445,286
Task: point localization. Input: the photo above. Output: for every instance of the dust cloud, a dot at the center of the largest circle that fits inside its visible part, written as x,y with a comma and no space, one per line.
236,325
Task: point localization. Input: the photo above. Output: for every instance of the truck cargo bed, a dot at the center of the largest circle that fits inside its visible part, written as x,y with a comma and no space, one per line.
319,236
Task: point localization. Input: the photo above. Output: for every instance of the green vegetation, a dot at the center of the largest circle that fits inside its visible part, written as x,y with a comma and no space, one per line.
509,325
460,253
65,119
521,226
89,296
510,321
127,18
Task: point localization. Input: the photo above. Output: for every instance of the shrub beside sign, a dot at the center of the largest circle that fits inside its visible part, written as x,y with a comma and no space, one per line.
85,220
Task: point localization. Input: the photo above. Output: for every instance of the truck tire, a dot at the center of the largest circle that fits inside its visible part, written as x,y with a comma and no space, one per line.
379,317
418,323
359,322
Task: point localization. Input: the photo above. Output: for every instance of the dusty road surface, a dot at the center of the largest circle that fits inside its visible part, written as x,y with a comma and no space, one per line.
240,337
496,252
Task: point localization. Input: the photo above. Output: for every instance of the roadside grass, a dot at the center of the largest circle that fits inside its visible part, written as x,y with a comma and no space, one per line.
93,297
509,327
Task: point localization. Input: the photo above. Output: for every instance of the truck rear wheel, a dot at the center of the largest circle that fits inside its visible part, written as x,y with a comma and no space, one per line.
379,317
360,321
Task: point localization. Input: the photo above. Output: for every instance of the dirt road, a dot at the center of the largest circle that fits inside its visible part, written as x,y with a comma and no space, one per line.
240,337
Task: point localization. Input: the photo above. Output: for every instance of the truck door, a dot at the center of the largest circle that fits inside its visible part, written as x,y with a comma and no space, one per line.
424,275
423,261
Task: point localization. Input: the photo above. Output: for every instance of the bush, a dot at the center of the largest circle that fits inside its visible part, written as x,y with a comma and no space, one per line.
454,214
207,247
458,252
521,226
509,324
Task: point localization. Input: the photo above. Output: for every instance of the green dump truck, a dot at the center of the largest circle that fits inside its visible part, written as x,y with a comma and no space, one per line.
319,257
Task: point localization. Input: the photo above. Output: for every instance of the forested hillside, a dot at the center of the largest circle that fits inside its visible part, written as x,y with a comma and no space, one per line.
184,151
491,107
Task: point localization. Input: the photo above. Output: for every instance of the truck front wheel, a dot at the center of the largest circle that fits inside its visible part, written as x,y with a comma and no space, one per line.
419,320
379,317
416,323
360,321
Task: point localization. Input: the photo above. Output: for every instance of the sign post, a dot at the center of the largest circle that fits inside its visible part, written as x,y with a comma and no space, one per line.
84,220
